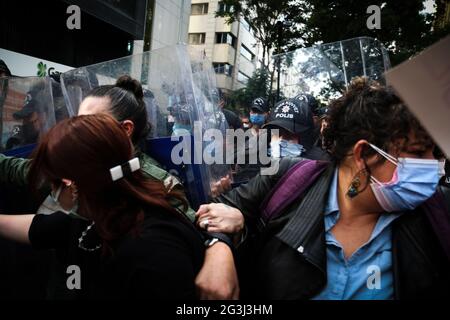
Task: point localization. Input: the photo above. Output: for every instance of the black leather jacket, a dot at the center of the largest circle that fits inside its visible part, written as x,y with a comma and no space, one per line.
287,258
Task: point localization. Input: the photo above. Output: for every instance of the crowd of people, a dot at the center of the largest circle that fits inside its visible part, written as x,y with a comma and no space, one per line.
359,208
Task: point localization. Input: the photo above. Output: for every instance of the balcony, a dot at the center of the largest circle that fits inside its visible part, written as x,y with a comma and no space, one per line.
246,66
198,23
222,26
224,53
224,82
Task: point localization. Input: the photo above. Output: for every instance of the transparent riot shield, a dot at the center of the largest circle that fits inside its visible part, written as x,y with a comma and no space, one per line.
325,70
204,83
179,106
26,111
59,104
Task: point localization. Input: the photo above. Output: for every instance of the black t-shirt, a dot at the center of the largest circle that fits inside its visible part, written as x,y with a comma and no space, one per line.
160,263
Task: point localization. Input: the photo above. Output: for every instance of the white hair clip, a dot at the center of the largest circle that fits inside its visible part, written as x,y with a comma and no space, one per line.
118,172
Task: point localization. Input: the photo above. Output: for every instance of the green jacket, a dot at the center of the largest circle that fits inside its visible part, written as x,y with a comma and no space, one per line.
14,172
153,170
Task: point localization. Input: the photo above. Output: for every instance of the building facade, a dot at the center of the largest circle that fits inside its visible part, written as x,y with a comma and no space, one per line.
167,23
35,33
232,48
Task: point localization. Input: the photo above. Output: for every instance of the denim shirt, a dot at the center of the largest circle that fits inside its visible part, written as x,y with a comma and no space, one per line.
367,274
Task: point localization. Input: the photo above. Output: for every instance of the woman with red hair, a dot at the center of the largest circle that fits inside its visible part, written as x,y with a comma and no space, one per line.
130,242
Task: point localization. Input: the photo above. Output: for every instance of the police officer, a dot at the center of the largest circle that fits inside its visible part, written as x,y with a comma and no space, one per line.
293,120
316,111
259,112
32,123
231,118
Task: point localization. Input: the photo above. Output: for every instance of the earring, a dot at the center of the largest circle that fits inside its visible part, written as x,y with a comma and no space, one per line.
353,189
74,192
73,189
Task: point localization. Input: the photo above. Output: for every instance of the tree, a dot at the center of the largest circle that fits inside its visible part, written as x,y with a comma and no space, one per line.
263,17
441,21
405,28
258,85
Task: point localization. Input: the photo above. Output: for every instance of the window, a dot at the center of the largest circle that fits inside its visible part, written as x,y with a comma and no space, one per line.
199,8
242,77
197,38
246,25
224,7
247,53
223,68
226,37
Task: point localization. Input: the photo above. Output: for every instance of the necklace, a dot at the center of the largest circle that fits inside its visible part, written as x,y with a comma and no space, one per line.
83,235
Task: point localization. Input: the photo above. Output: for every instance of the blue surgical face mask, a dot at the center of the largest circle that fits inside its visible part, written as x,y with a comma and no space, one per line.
283,148
258,119
414,181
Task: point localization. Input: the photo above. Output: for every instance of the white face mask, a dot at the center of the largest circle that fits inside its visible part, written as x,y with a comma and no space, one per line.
49,206
52,205
283,148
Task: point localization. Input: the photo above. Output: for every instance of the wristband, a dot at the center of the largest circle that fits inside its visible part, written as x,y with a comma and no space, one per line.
213,236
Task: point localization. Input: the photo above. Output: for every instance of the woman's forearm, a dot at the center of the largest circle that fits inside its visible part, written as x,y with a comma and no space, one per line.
16,227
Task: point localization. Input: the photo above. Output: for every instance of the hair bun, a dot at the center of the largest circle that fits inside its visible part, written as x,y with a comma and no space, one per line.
128,83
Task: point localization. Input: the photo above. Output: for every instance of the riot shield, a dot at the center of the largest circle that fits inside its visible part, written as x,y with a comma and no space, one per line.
27,111
326,70
204,84
180,108
61,110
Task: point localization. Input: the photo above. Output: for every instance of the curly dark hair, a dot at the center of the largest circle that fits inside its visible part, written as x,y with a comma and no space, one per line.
370,111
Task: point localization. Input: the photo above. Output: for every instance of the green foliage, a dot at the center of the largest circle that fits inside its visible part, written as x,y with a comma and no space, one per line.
405,31
258,85
263,17
405,28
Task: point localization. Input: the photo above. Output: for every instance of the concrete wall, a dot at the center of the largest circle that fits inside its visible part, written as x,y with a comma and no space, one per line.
170,24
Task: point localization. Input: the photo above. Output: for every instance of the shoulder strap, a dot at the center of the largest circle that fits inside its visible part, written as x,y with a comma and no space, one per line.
437,211
290,186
